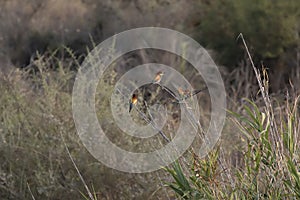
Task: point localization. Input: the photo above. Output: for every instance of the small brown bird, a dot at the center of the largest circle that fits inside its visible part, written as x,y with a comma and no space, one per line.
184,93
180,91
158,77
187,93
133,101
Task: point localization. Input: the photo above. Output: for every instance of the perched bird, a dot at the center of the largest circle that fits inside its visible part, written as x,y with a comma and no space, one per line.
180,91
158,77
184,93
187,93
133,101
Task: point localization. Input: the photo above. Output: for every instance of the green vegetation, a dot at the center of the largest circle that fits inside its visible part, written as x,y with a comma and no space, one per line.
269,165
270,168
271,27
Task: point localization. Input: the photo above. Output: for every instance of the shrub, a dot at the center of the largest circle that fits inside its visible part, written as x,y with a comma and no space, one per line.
269,26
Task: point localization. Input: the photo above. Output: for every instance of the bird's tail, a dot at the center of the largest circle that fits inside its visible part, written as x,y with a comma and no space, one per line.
198,91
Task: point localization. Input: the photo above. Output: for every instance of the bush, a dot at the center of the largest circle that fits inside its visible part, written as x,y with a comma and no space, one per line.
269,162
269,26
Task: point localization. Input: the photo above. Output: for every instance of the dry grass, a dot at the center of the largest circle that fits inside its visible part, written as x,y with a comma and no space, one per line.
36,114
34,117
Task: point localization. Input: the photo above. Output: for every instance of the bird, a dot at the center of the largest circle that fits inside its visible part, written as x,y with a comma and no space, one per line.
184,94
158,77
133,101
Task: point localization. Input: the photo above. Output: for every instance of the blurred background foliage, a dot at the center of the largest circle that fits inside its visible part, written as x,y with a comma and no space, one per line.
270,28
